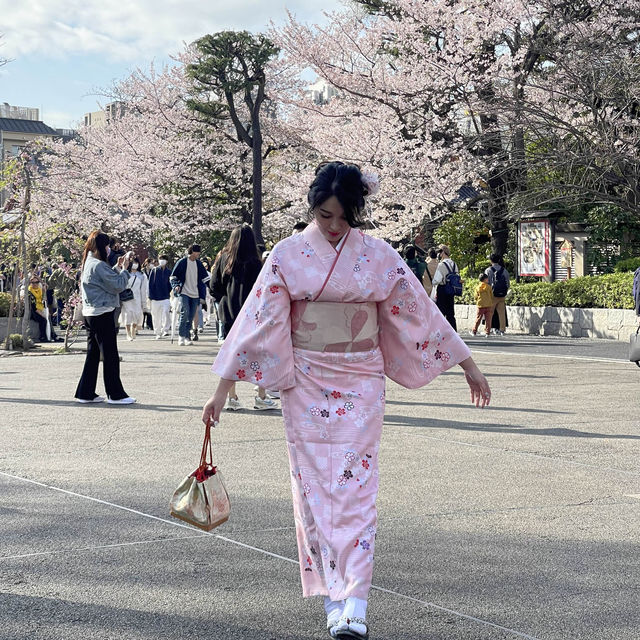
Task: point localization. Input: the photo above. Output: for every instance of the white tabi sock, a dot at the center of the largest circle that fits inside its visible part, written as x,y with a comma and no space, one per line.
333,609
355,608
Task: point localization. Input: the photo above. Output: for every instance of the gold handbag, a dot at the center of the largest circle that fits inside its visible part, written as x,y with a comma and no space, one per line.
202,499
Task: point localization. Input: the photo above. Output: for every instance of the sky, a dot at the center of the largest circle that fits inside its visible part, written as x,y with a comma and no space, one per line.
62,52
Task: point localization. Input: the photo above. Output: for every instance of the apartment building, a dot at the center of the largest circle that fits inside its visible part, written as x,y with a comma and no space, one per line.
19,126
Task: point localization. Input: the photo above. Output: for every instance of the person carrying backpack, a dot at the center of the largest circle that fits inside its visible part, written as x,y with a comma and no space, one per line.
446,285
636,292
499,281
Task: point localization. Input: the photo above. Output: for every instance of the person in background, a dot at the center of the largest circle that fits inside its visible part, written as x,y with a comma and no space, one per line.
188,280
159,294
63,286
413,262
499,282
636,292
45,276
133,310
100,287
231,283
115,251
37,297
147,320
198,318
444,300
484,301
430,271
216,305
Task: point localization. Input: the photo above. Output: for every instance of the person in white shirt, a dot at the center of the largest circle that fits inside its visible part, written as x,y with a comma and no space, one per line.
444,300
188,280
132,310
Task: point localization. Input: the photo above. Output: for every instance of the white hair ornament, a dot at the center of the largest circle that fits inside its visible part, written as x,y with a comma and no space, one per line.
371,181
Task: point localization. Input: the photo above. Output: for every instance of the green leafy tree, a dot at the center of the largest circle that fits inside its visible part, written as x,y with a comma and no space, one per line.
229,78
467,235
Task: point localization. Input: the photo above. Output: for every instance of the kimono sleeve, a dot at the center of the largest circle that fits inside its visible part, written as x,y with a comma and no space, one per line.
416,340
258,348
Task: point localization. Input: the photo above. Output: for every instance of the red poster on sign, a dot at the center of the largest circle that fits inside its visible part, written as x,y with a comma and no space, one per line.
534,248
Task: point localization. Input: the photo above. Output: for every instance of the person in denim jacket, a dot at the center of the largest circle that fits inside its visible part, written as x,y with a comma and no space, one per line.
100,287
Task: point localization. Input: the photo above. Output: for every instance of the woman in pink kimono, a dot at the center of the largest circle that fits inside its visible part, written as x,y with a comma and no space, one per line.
332,313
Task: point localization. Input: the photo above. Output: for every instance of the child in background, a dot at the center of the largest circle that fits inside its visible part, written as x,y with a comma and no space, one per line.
484,300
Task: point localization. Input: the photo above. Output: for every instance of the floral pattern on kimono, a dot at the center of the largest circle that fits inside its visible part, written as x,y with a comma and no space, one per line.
333,401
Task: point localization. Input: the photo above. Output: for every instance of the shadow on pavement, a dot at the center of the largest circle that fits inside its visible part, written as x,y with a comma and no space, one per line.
467,406
84,407
434,423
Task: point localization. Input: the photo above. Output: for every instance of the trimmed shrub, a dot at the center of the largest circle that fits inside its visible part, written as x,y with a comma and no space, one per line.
5,301
631,264
610,291
16,341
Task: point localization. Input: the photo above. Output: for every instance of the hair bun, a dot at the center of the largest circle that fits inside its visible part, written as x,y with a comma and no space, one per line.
371,182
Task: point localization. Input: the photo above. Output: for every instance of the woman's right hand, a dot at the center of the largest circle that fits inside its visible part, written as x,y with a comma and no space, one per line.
212,409
214,405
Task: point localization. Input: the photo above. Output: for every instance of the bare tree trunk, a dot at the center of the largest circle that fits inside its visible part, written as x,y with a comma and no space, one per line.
257,180
26,201
12,305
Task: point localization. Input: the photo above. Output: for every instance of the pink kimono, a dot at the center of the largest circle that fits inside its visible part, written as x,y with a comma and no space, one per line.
325,326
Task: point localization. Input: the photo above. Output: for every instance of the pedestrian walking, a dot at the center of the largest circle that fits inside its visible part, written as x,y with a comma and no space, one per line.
235,274
332,312
216,305
500,282
159,294
100,287
147,319
484,301
188,280
430,271
414,263
132,314
63,285
636,292
443,291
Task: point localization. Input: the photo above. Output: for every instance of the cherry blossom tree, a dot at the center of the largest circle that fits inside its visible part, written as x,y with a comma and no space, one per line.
441,94
158,169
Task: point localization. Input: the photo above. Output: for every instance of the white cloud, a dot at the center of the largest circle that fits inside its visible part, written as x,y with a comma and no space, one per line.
59,119
137,29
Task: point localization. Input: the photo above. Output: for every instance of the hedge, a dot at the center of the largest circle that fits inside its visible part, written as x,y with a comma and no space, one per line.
610,291
5,302
631,264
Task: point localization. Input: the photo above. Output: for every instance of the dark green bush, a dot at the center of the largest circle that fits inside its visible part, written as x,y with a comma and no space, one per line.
16,341
631,264
5,301
610,291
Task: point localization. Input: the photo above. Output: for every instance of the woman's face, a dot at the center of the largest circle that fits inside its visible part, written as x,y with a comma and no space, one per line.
331,220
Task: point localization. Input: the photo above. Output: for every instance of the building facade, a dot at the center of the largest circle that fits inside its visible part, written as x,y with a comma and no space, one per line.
17,132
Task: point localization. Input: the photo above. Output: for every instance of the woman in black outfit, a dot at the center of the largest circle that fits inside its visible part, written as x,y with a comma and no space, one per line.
232,279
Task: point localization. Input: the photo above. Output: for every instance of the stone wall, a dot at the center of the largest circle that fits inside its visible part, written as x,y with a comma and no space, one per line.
610,324
16,327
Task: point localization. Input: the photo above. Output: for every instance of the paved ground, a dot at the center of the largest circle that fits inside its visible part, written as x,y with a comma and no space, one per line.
520,521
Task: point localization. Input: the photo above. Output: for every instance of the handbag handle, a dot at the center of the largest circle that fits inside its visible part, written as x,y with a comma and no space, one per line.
206,447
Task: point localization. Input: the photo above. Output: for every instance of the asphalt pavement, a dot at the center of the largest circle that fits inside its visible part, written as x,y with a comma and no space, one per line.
517,521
